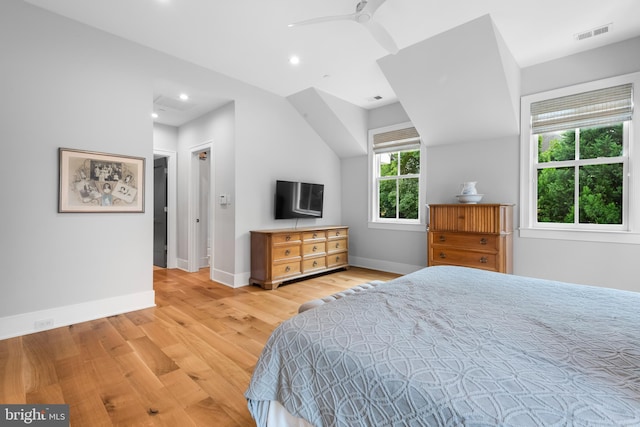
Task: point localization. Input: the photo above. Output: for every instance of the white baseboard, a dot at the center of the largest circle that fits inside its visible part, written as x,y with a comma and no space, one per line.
231,280
37,321
182,264
242,279
388,266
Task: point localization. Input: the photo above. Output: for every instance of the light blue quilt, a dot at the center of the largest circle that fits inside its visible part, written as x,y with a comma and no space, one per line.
452,346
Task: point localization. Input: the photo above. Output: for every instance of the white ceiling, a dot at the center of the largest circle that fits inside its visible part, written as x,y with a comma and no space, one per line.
250,39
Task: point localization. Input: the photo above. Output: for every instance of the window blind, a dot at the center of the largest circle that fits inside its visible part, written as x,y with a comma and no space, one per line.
396,140
588,109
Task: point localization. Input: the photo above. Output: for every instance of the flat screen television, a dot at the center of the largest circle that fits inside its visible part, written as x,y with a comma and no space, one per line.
298,200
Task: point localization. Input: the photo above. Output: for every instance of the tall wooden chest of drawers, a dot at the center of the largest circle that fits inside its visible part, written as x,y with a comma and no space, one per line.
471,235
287,254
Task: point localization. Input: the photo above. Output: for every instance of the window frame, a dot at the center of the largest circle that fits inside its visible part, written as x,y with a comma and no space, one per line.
374,221
629,232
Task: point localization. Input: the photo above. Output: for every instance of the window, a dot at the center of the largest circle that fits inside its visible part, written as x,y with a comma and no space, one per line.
580,176
397,178
577,146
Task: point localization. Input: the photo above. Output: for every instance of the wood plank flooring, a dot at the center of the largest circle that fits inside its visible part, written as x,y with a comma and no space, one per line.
185,362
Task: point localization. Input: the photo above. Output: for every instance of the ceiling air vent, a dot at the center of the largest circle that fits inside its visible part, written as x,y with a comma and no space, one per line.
603,29
172,104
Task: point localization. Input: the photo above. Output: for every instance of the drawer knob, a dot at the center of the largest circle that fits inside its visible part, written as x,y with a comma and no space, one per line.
315,263
288,269
337,233
287,252
337,258
443,255
287,238
315,248
337,245
484,260
443,238
483,241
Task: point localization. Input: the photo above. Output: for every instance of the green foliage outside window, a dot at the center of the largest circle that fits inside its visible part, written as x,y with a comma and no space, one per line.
600,186
399,189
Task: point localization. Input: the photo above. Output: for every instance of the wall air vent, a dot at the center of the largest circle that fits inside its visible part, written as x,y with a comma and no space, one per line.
594,32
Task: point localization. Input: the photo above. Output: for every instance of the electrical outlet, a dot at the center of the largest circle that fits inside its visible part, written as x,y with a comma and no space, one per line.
39,325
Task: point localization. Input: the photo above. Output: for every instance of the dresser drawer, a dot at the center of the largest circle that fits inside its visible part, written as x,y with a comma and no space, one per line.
314,235
336,259
285,252
286,269
447,255
313,264
337,245
286,238
481,242
316,248
337,233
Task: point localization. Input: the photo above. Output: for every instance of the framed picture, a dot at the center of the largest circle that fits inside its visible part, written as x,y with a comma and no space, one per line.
100,182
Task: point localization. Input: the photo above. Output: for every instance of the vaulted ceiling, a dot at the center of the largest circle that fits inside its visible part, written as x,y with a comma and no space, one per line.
473,45
251,40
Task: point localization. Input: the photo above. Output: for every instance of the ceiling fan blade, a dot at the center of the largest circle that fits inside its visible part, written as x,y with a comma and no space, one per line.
348,17
372,6
381,35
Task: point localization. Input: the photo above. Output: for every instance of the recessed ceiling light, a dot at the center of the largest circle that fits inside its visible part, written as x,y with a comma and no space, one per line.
294,60
154,115
184,96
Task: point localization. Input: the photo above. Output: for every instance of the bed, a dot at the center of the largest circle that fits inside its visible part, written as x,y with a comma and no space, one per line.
454,346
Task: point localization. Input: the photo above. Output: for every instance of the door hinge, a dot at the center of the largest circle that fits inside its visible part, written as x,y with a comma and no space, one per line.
166,209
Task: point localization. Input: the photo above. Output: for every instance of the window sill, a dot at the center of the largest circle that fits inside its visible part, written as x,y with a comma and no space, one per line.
397,226
623,237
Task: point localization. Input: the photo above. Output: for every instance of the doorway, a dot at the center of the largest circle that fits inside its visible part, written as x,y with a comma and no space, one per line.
160,211
201,212
203,235
170,203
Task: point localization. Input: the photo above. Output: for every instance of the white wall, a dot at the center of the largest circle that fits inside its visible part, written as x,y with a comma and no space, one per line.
68,85
494,163
490,163
165,137
218,129
257,139
605,264
63,86
389,250
275,142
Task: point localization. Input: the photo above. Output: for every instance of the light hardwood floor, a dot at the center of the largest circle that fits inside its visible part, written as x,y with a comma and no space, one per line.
185,362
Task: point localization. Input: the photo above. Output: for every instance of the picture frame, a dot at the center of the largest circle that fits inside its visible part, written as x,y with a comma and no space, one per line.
93,182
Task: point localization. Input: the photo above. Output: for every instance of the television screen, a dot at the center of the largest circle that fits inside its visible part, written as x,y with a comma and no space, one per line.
298,200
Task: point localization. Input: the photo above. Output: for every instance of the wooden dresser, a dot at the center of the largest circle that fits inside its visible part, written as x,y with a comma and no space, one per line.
287,254
471,235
